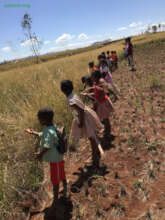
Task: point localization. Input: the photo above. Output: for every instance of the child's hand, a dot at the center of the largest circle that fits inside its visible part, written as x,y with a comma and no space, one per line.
29,130
84,93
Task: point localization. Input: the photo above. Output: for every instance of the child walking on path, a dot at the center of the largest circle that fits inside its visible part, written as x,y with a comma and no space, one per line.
49,151
85,121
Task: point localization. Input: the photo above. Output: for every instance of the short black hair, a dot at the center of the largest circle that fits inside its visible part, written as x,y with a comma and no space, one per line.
89,81
83,79
46,113
99,57
96,74
128,39
108,52
67,86
104,62
91,64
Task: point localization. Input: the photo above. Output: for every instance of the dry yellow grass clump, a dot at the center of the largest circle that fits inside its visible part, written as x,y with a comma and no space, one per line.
23,91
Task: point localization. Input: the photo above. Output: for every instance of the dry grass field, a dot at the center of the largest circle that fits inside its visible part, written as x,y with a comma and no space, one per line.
130,184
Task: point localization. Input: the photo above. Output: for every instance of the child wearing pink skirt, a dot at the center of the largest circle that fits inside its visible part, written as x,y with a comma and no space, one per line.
85,121
106,74
103,105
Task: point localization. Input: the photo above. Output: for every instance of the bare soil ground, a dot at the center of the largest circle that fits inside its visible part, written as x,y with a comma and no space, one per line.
130,184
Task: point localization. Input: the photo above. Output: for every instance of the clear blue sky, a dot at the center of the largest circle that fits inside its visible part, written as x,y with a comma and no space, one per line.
66,24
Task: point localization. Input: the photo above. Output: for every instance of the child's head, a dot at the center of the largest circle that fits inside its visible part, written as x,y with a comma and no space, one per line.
101,57
103,63
96,76
89,81
45,116
67,87
83,79
128,39
108,52
91,64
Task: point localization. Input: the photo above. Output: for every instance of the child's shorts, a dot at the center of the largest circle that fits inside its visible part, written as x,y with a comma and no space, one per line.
57,172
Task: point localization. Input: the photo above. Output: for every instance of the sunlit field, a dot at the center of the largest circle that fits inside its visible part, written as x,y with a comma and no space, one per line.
23,91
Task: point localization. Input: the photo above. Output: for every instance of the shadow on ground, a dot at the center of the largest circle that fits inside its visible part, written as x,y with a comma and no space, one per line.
61,210
86,176
106,142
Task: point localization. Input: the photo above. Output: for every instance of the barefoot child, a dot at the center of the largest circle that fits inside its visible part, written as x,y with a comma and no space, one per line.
112,56
107,76
48,149
85,121
116,60
108,60
108,55
129,53
103,105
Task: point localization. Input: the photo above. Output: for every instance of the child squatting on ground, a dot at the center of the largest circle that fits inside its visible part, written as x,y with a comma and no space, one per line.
48,149
85,121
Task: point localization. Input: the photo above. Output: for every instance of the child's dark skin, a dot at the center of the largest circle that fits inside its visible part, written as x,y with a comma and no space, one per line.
31,131
106,120
79,110
39,156
96,147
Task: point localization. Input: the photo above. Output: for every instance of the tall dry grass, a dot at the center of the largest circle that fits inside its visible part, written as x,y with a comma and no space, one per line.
23,92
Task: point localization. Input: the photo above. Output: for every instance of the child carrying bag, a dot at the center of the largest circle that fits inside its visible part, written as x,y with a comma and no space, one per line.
62,140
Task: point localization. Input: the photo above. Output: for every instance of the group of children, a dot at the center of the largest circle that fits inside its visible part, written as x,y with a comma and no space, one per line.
108,59
112,59
87,122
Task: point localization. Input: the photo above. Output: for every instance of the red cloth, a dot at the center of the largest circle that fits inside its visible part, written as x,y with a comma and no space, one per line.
99,94
112,57
57,172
